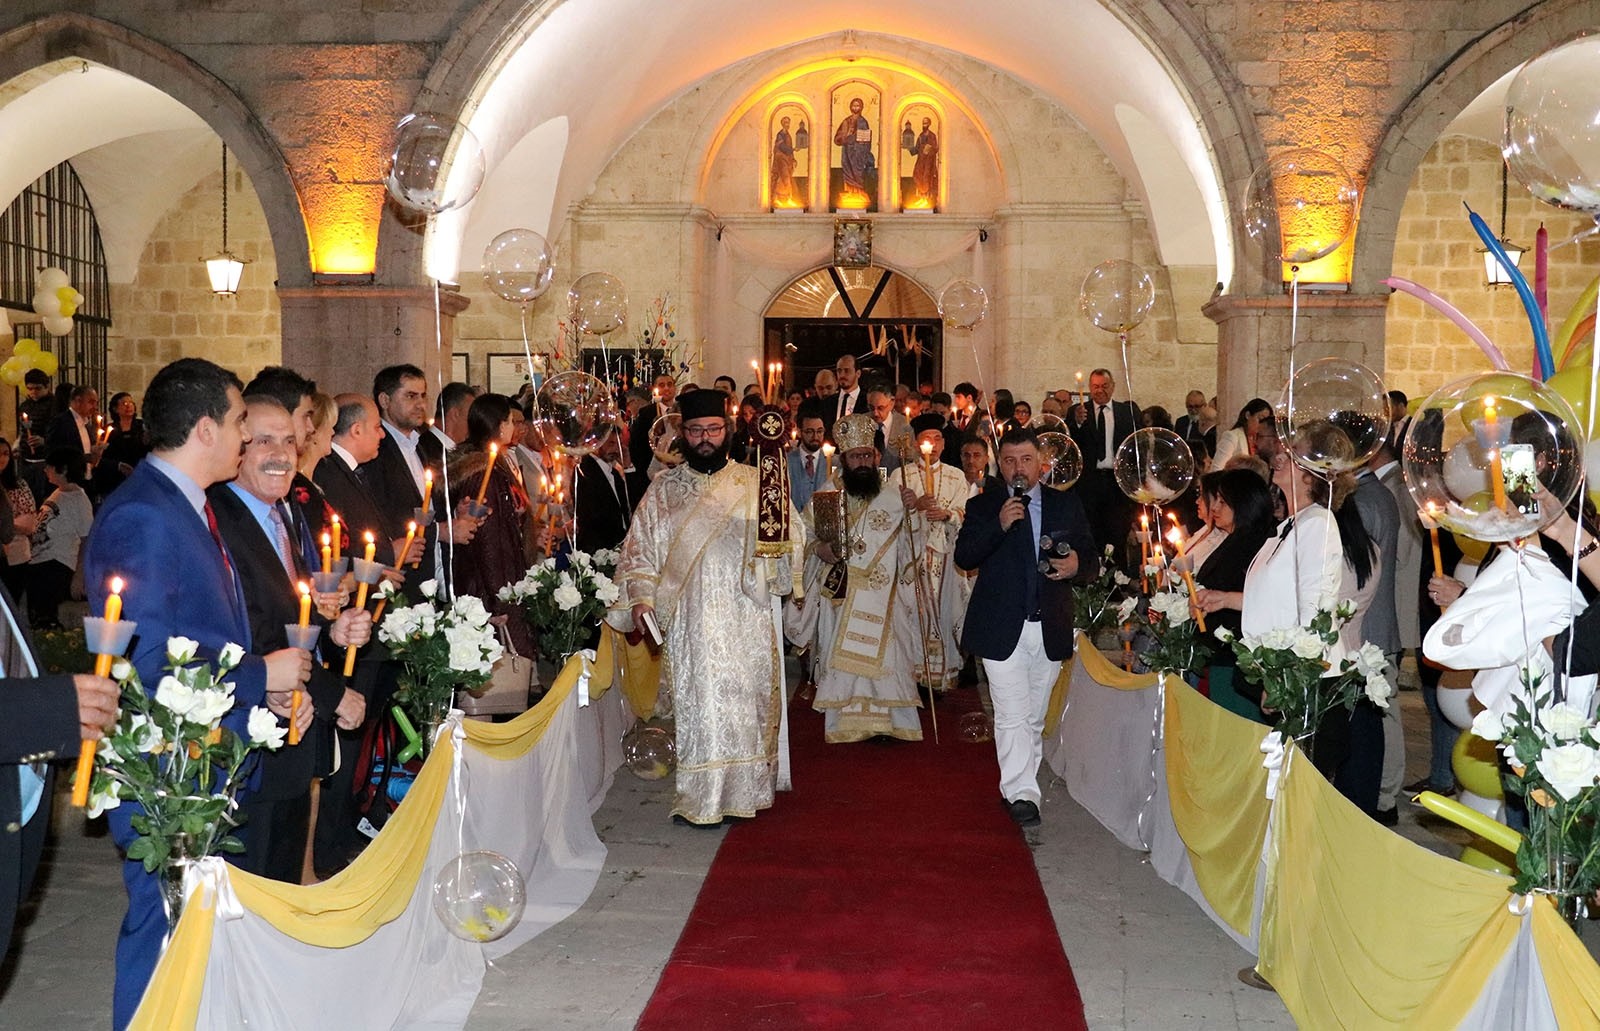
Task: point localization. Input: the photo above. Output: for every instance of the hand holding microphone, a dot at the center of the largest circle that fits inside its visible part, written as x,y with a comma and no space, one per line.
1016,506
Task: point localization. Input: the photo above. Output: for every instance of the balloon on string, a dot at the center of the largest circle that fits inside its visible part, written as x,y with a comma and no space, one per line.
1333,415
1552,127
649,752
575,412
436,165
1062,461
517,266
1153,465
1300,206
662,433
1480,448
1116,295
479,896
1048,423
963,304
47,363
597,303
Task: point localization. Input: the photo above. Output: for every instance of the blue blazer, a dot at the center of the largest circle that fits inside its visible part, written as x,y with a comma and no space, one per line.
1006,559
801,486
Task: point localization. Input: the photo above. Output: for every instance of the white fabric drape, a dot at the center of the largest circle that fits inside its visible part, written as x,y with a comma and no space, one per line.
1102,751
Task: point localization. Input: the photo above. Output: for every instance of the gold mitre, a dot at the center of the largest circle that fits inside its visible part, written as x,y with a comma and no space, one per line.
855,431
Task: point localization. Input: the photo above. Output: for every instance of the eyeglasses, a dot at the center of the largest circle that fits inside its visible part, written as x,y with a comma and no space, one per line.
702,432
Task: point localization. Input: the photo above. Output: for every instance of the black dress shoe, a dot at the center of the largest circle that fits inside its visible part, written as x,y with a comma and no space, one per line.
1388,817
1417,787
1024,813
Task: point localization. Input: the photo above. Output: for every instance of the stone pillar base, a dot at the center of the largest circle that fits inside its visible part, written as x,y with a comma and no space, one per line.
342,335
1253,340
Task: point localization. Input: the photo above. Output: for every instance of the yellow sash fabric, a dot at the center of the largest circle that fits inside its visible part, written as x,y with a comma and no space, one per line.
1570,973
173,998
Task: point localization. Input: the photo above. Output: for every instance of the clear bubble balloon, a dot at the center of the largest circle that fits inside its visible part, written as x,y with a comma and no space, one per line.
650,752
575,412
1300,206
1062,461
1153,466
1333,415
598,304
963,304
436,165
1048,423
662,434
1494,456
1552,128
518,266
1116,295
479,896
975,727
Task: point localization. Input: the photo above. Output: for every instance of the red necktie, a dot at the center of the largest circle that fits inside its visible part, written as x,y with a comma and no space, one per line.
811,465
216,535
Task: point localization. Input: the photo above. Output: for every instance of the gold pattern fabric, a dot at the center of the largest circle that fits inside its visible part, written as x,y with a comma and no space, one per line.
691,554
941,604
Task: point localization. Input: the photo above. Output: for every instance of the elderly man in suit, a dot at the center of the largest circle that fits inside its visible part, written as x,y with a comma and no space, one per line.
1024,591
1099,426
75,428
254,522
159,533
894,429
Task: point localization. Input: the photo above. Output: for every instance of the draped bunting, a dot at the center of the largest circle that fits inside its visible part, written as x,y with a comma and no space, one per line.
1356,926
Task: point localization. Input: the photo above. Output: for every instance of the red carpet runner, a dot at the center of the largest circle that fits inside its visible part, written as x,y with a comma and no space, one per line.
888,890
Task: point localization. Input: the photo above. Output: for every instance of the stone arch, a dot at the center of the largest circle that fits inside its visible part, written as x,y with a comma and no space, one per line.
1416,126
58,36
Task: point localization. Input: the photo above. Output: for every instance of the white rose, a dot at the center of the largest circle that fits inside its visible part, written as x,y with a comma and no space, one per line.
175,696
1378,691
1563,722
510,592
1307,645
112,798
210,706
605,591
180,650
427,622
1223,634
567,597
122,669
1488,726
1126,609
1370,660
146,735
1120,578
264,729
466,653
428,588
470,610
230,657
1569,769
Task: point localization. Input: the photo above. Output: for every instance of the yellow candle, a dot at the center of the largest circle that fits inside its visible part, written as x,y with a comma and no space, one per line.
483,484
372,546
305,603
411,535
827,463
327,553
927,467
1497,478
427,491
338,539
1430,519
1175,535
1144,546
361,603
102,668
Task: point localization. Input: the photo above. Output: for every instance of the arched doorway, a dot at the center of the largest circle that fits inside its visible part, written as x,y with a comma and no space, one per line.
882,317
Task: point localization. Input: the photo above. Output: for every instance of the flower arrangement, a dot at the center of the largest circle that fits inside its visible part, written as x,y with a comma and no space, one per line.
1297,679
443,645
1553,749
1174,639
564,600
169,754
1096,602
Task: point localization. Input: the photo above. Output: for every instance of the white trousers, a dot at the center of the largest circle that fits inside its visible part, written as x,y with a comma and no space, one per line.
1019,687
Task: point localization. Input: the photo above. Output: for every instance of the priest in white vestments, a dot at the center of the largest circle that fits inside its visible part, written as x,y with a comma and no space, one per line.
860,602
693,564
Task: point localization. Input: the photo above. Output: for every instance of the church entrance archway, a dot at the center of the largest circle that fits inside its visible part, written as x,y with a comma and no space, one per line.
882,317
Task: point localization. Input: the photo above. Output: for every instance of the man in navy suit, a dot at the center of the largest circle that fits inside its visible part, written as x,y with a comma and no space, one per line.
808,472
157,531
1099,426
1020,615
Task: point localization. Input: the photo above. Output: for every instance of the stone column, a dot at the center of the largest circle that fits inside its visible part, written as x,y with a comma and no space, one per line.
341,335
1253,340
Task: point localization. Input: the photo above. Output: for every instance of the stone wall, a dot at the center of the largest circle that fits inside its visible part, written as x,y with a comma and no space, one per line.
1437,248
169,312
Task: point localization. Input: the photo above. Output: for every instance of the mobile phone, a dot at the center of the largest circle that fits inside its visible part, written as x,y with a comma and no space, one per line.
1520,476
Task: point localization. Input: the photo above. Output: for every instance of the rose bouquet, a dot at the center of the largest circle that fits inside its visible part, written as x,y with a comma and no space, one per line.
1096,602
564,601
1553,749
1174,642
442,645
170,755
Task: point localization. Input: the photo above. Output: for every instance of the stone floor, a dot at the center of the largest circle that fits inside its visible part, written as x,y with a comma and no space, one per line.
1144,955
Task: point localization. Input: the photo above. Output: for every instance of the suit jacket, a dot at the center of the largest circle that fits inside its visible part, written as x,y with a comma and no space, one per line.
394,492
431,450
1409,548
38,717
349,495
898,428
601,506
801,486
1006,560
1125,419
273,603
1382,519
63,432
830,409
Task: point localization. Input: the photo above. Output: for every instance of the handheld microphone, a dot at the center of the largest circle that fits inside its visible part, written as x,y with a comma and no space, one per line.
1019,489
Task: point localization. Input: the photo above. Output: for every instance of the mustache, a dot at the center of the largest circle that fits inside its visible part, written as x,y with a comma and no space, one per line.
276,467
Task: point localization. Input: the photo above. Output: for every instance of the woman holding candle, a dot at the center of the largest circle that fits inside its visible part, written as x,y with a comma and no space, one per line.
1240,509
126,445
314,515
495,557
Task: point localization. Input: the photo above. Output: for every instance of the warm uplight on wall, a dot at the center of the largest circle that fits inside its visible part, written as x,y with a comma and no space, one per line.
224,269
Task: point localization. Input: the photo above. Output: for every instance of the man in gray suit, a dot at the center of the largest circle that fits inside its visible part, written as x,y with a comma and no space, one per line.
893,426
1409,549
1381,517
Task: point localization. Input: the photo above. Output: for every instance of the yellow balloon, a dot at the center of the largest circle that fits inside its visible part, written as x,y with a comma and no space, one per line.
11,375
67,295
1472,550
1572,383
47,363
25,346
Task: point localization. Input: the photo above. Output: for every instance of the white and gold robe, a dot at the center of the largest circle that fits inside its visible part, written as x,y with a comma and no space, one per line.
943,603
690,554
865,639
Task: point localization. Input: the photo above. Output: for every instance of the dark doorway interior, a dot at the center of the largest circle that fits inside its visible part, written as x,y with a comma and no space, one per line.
818,343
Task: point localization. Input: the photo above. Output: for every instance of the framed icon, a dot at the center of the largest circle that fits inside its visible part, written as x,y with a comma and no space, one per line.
852,242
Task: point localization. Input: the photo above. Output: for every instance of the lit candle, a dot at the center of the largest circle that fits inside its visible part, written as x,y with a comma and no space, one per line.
1430,519
361,603
327,553
483,484
1079,377
1144,546
99,429
305,603
338,540
1175,535
827,463
927,467
102,668
411,535
294,696
372,546
427,491
1497,477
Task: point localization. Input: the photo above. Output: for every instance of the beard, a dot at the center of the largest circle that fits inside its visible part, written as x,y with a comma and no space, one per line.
862,482
706,457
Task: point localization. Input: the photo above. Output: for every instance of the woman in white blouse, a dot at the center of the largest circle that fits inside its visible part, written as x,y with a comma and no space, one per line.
1237,441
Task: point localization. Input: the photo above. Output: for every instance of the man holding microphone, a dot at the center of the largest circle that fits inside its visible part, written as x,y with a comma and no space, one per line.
1027,545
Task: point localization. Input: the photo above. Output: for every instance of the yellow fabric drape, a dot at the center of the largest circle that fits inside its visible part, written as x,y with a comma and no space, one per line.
641,676
1216,788
1100,670
173,998
515,738
1363,928
1570,974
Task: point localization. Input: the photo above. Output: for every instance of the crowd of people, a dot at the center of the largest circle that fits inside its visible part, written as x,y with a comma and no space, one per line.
920,547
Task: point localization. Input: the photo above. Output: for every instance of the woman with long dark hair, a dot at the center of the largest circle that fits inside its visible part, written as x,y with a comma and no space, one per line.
126,445
1241,510
24,514
496,555
1236,441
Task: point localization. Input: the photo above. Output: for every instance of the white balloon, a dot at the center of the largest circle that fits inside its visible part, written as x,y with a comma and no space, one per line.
46,304
58,325
52,279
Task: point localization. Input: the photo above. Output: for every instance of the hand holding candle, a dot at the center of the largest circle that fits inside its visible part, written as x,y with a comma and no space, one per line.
102,668
411,535
1175,535
1430,519
361,597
